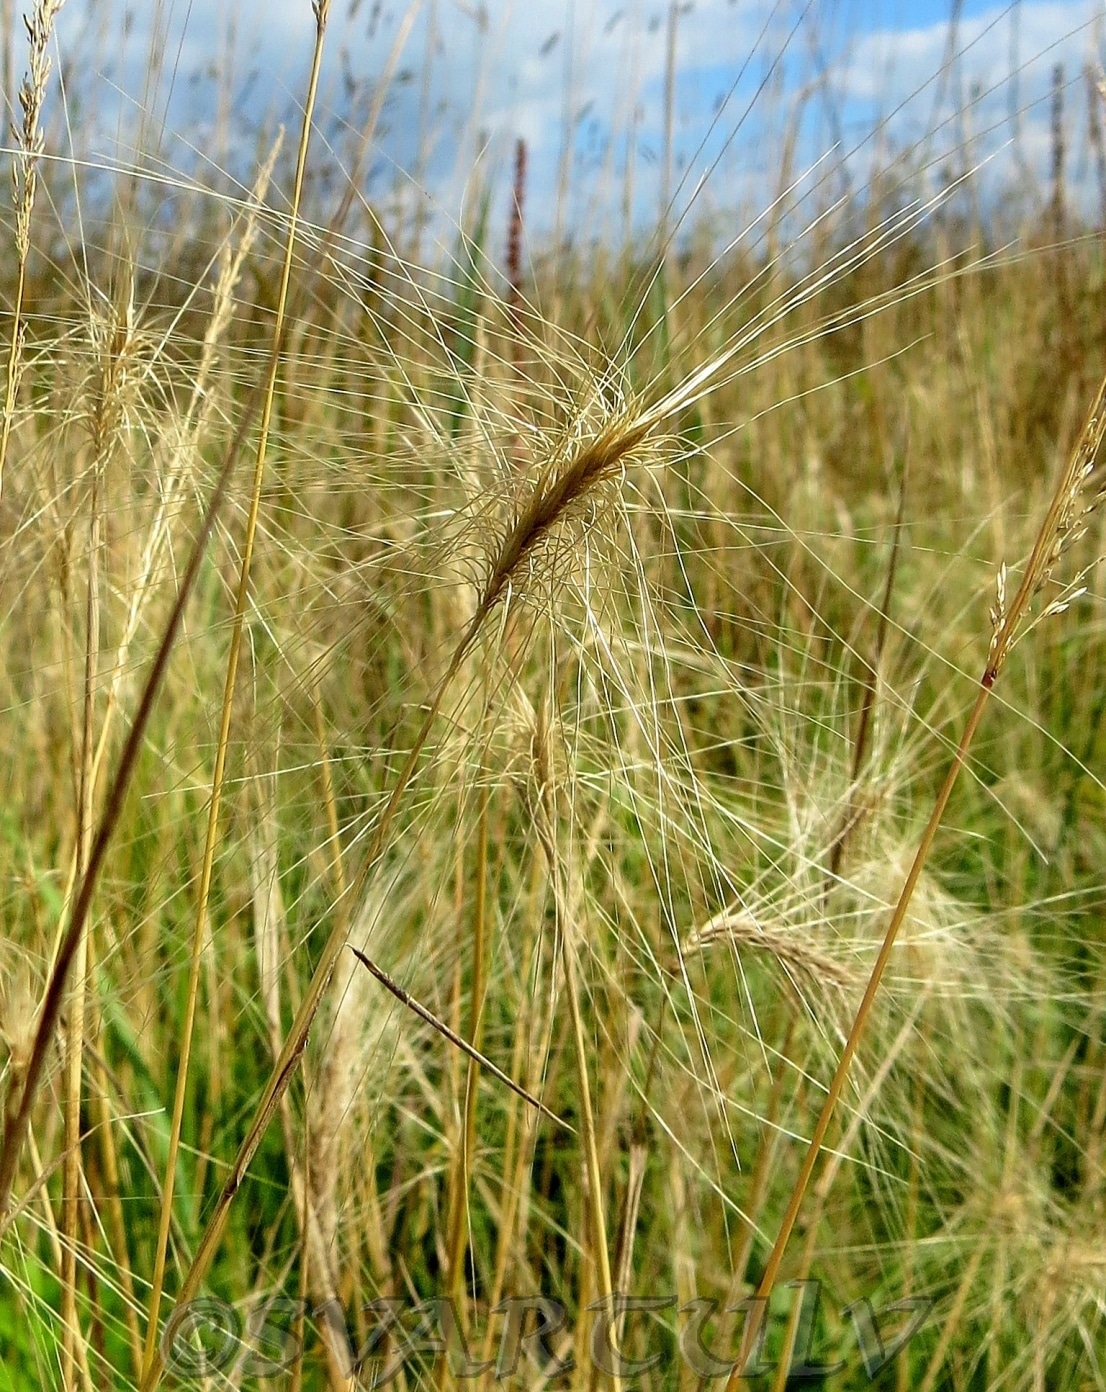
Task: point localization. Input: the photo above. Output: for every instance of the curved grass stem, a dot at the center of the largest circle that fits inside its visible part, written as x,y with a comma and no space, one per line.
1068,507
219,773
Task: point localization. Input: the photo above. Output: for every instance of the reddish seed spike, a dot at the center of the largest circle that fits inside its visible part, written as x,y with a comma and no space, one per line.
514,235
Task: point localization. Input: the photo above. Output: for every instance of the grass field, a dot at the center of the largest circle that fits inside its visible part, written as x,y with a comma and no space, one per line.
586,632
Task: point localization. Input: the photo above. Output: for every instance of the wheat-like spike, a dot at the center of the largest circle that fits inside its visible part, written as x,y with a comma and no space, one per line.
793,952
29,145
1078,494
553,499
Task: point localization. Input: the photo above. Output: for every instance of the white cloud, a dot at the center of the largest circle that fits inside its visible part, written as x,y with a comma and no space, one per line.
536,67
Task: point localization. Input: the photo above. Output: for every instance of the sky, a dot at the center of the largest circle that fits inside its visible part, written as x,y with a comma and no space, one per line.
761,93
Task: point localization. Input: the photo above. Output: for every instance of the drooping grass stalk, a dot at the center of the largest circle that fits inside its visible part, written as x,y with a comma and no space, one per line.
321,10
28,135
1065,522
405,998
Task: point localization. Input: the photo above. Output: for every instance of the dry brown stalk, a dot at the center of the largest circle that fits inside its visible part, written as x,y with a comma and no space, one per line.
405,998
514,252
18,1113
853,811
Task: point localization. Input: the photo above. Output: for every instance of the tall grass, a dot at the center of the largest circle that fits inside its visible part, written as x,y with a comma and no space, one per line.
596,642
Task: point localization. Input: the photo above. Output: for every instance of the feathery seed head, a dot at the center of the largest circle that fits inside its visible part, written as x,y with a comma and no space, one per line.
793,949
28,135
563,491
1080,490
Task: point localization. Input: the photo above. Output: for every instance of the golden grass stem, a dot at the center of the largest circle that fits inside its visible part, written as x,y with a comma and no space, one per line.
467,1147
295,1381
1065,512
597,1218
15,354
825,1184
75,1027
321,9
117,1227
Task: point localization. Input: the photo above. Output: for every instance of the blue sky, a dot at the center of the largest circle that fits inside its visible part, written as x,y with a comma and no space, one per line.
472,75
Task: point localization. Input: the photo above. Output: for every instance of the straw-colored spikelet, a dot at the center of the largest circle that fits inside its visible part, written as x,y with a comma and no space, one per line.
29,146
559,494
1080,490
793,951
28,135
